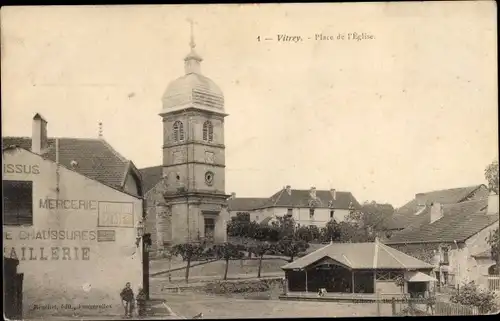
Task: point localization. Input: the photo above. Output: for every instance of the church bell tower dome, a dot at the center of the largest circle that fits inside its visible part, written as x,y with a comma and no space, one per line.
193,89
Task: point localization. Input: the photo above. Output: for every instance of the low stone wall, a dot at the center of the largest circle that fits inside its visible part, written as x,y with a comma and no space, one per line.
244,286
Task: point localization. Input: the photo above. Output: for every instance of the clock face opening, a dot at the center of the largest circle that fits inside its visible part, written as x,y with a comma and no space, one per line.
209,178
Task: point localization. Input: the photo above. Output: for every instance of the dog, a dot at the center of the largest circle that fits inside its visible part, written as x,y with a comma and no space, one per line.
198,316
322,292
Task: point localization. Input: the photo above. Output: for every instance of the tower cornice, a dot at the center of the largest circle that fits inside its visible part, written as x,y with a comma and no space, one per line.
194,142
194,162
201,110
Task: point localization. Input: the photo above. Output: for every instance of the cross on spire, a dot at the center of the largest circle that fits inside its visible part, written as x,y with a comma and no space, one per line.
192,60
100,130
192,44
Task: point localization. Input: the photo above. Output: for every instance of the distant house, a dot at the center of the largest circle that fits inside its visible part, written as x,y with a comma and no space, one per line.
307,207
358,268
246,206
408,213
453,238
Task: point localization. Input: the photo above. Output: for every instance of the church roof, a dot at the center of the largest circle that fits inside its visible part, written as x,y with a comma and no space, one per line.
194,90
151,176
96,159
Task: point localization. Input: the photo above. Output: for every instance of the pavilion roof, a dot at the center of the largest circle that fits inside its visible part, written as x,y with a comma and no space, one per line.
356,256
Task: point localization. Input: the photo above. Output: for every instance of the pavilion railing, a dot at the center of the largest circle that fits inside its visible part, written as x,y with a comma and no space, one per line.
494,282
450,308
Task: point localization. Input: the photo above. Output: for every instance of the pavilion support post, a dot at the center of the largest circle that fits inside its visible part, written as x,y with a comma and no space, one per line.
352,281
305,270
374,281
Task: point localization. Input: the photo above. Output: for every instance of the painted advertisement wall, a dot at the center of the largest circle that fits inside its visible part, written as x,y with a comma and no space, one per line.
80,248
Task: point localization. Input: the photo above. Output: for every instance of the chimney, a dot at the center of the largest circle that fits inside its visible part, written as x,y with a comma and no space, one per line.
436,212
313,192
334,193
233,195
288,189
492,203
420,197
39,136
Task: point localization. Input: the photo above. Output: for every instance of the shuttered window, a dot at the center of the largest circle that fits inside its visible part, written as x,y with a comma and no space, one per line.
17,202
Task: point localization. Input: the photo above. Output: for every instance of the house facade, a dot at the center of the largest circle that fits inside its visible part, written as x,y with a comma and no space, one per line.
453,238
306,207
75,237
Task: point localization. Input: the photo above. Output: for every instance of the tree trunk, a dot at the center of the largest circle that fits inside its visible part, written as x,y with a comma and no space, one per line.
227,267
260,266
187,269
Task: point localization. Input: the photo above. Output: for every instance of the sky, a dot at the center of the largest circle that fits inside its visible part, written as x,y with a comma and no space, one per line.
412,110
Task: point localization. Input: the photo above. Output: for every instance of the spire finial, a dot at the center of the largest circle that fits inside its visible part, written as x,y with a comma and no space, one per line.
100,129
192,60
192,44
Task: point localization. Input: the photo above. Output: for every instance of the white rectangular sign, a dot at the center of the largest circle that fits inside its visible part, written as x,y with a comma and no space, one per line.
116,214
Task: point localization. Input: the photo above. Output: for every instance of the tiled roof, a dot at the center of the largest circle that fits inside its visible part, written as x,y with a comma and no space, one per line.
246,203
373,255
95,158
301,198
296,198
460,221
405,215
151,176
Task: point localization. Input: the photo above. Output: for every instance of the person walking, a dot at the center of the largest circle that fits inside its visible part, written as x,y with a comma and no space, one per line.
141,303
127,296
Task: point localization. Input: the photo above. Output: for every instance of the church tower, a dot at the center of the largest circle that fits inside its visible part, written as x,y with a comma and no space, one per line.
193,158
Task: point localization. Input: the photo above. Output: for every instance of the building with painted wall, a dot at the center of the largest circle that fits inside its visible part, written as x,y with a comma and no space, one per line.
453,238
307,207
72,227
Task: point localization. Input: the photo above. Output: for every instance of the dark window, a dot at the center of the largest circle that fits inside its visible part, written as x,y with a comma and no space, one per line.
178,131
17,202
243,216
311,212
208,131
289,212
209,227
445,256
331,213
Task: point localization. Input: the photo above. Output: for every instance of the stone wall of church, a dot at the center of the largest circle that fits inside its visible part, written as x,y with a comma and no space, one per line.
180,222
153,197
192,177
197,120
199,172
192,124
